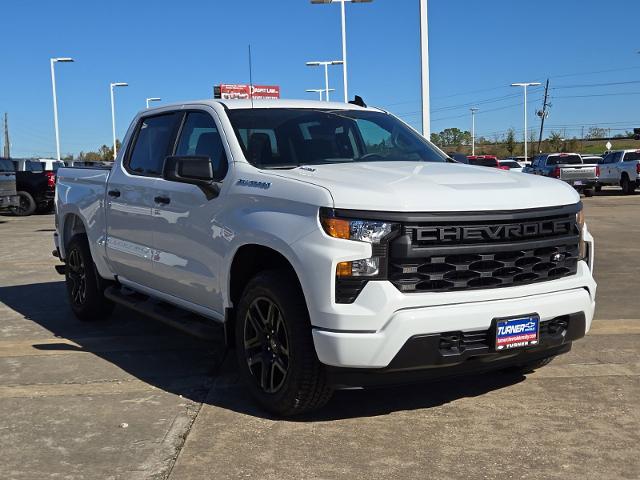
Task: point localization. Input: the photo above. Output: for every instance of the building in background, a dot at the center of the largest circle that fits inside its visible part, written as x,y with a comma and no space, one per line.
229,91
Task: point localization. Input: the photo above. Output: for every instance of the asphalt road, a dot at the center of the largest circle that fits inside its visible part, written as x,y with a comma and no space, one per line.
132,399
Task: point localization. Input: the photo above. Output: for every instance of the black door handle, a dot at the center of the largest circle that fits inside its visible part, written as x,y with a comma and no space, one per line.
162,200
114,193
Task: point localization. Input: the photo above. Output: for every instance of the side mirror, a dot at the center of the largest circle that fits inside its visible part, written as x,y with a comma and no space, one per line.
194,170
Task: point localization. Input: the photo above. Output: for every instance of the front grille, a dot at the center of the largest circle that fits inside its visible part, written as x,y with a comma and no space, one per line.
464,254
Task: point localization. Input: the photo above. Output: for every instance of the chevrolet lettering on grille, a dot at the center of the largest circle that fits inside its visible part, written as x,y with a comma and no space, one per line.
444,234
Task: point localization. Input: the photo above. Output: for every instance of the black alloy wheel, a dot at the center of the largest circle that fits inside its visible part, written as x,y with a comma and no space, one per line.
77,276
266,344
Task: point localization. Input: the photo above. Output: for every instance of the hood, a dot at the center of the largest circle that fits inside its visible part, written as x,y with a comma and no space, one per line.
432,187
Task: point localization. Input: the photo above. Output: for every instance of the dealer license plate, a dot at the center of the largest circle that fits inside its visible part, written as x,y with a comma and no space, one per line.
577,182
517,332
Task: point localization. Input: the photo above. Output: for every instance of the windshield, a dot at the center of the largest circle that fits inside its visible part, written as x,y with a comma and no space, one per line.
564,160
483,162
287,138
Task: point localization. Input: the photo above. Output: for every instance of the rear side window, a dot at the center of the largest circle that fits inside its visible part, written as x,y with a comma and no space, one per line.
564,160
200,136
6,166
33,166
631,156
152,144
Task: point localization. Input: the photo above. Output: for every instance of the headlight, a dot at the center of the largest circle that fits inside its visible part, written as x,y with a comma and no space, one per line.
370,231
582,247
361,230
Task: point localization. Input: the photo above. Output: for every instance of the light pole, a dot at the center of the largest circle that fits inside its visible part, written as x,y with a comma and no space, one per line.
326,73
319,91
524,85
424,70
55,100
344,37
152,99
113,116
473,129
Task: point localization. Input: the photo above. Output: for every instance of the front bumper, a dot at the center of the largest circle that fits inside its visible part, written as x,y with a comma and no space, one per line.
434,356
379,349
9,201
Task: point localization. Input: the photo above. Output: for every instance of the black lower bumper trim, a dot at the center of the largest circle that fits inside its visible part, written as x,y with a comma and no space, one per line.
432,356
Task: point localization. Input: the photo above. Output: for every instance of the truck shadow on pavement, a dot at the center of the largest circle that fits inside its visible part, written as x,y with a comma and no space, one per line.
202,371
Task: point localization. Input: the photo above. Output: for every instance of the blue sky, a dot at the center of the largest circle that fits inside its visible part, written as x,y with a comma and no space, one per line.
178,50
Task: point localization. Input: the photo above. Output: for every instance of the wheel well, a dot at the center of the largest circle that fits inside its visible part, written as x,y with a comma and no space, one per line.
73,225
248,261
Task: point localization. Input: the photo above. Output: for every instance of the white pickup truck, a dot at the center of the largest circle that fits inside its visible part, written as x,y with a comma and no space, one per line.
621,167
337,247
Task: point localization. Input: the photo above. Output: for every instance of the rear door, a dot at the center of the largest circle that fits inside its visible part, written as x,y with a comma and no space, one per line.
188,243
130,197
7,178
629,162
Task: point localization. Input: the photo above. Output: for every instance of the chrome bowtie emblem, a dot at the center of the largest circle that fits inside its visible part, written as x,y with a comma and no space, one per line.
557,257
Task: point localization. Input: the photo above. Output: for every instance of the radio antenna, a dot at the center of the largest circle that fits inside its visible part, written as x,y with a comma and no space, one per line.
250,77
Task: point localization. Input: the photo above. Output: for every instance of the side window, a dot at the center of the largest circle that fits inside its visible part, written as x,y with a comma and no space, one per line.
605,159
200,137
617,157
152,145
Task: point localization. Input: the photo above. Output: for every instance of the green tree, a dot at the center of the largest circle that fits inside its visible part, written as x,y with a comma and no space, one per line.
510,141
556,141
454,136
596,132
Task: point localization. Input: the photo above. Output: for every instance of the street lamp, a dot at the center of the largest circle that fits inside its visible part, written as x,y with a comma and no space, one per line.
113,116
152,99
473,129
524,85
55,99
344,37
326,73
319,91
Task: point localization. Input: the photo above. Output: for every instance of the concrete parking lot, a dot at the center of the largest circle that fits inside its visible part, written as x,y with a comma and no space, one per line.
132,399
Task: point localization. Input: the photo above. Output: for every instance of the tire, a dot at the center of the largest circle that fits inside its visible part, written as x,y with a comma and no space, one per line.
588,192
85,288
276,356
627,186
27,205
598,188
44,208
534,365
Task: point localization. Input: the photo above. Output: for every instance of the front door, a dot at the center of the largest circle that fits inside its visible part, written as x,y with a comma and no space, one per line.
188,239
130,198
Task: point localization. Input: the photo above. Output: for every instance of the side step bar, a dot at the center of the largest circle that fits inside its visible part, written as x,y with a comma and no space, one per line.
183,320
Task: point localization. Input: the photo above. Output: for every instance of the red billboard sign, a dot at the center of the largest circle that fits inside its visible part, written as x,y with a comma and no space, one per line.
238,91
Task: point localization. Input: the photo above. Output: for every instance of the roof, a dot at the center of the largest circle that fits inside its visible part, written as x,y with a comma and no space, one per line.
288,103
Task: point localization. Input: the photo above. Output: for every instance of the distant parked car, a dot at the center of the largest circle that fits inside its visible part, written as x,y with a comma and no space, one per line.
621,167
524,161
511,165
567,167
36,188
485,161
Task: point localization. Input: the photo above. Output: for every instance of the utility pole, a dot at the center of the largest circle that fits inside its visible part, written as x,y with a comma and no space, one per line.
543,114
7,148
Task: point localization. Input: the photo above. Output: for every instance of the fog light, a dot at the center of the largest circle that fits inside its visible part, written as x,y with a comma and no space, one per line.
367,267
